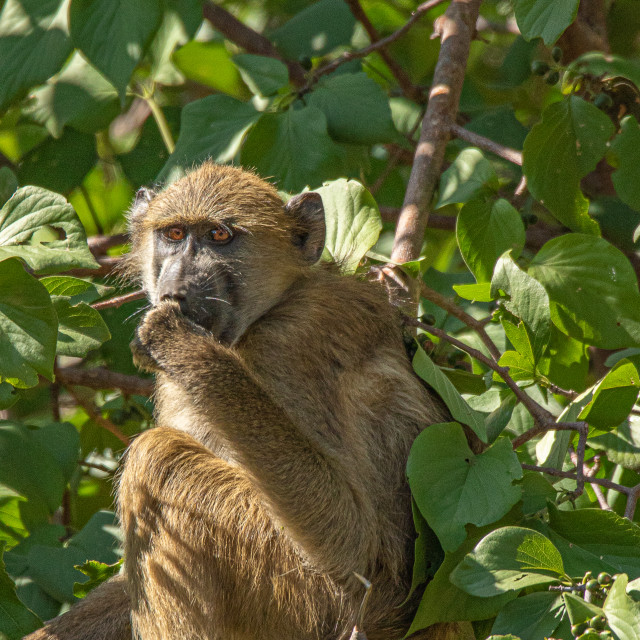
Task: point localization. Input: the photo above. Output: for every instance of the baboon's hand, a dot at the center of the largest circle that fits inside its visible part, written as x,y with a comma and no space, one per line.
165,336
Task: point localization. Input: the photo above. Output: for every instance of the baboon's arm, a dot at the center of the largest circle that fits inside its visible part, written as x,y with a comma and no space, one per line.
105,614
308,490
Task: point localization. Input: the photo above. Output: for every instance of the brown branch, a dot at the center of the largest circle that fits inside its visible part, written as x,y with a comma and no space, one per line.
119,300
98,245
457,27
101,378
632,500
452,308
97,418
603,482
108,265
380,44
511,155
248,39
540,415
404,81
93,465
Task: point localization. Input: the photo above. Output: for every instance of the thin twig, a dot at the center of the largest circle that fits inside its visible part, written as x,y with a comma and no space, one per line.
98,245
444,303
248,39
161,123
511,155
119,300
92,211
603,482
380,44
404,81
97,418
632,500
456,27
93,465
101,378
600,497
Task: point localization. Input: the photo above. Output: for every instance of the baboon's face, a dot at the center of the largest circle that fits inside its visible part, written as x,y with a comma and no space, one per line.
221,243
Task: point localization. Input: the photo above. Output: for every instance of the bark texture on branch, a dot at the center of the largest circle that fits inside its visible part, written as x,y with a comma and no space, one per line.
456,29
101,378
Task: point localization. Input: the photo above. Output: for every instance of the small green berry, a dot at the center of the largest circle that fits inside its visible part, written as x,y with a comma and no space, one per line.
598,622
604,578
539,67
603,101
552,78
579,629
428,318
556,54
592,585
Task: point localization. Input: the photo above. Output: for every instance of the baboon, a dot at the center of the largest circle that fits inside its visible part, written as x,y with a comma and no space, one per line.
286,406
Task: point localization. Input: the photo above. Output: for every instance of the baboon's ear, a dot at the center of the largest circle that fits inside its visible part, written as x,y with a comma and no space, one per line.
309,232
141,203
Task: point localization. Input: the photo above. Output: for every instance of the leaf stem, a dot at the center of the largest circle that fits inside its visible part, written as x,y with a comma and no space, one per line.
162,123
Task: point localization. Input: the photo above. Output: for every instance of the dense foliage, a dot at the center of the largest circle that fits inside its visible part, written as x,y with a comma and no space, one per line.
530,311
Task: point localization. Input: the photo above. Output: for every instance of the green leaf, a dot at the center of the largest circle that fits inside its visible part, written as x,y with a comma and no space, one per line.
469,175
28,468
624,149
79,96
459,408
356,108
545,19
474,292
34,43
453,487
8,395
579,610
8,184
264,76
315,31
76,289
622,445
485,229
16,620
278,141
444,602
561,150
32,209
114,34
28,327
98,573
593,290
508,558
536,491
603,535
528,301
353,222
214,128
80,328
530,617
520,367
613,397
623,614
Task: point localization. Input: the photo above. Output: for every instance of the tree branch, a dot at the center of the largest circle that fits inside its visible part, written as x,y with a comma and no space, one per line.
119,300
457,27
248,39
101,378
510,155
97,418
99,245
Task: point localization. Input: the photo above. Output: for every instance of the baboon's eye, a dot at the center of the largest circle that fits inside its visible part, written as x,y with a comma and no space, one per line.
175,234
221,234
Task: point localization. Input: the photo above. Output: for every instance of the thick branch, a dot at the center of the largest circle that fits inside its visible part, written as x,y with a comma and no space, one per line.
101,378
98,245
457,27
248,39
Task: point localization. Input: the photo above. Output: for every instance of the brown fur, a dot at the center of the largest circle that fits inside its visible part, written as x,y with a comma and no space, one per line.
277,468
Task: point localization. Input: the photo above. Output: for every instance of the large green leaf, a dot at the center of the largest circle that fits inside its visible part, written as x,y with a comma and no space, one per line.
469,175
531,617
545,19
528,301
623,614
593,290
79,96
353,222
597,539
264,76
485,229
16,620
214,128
356,108
561,150
28,327
624,153
508,558
114,34
279,141
622,446
453,487
32,209
457,405
316,30
613,397
34,44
